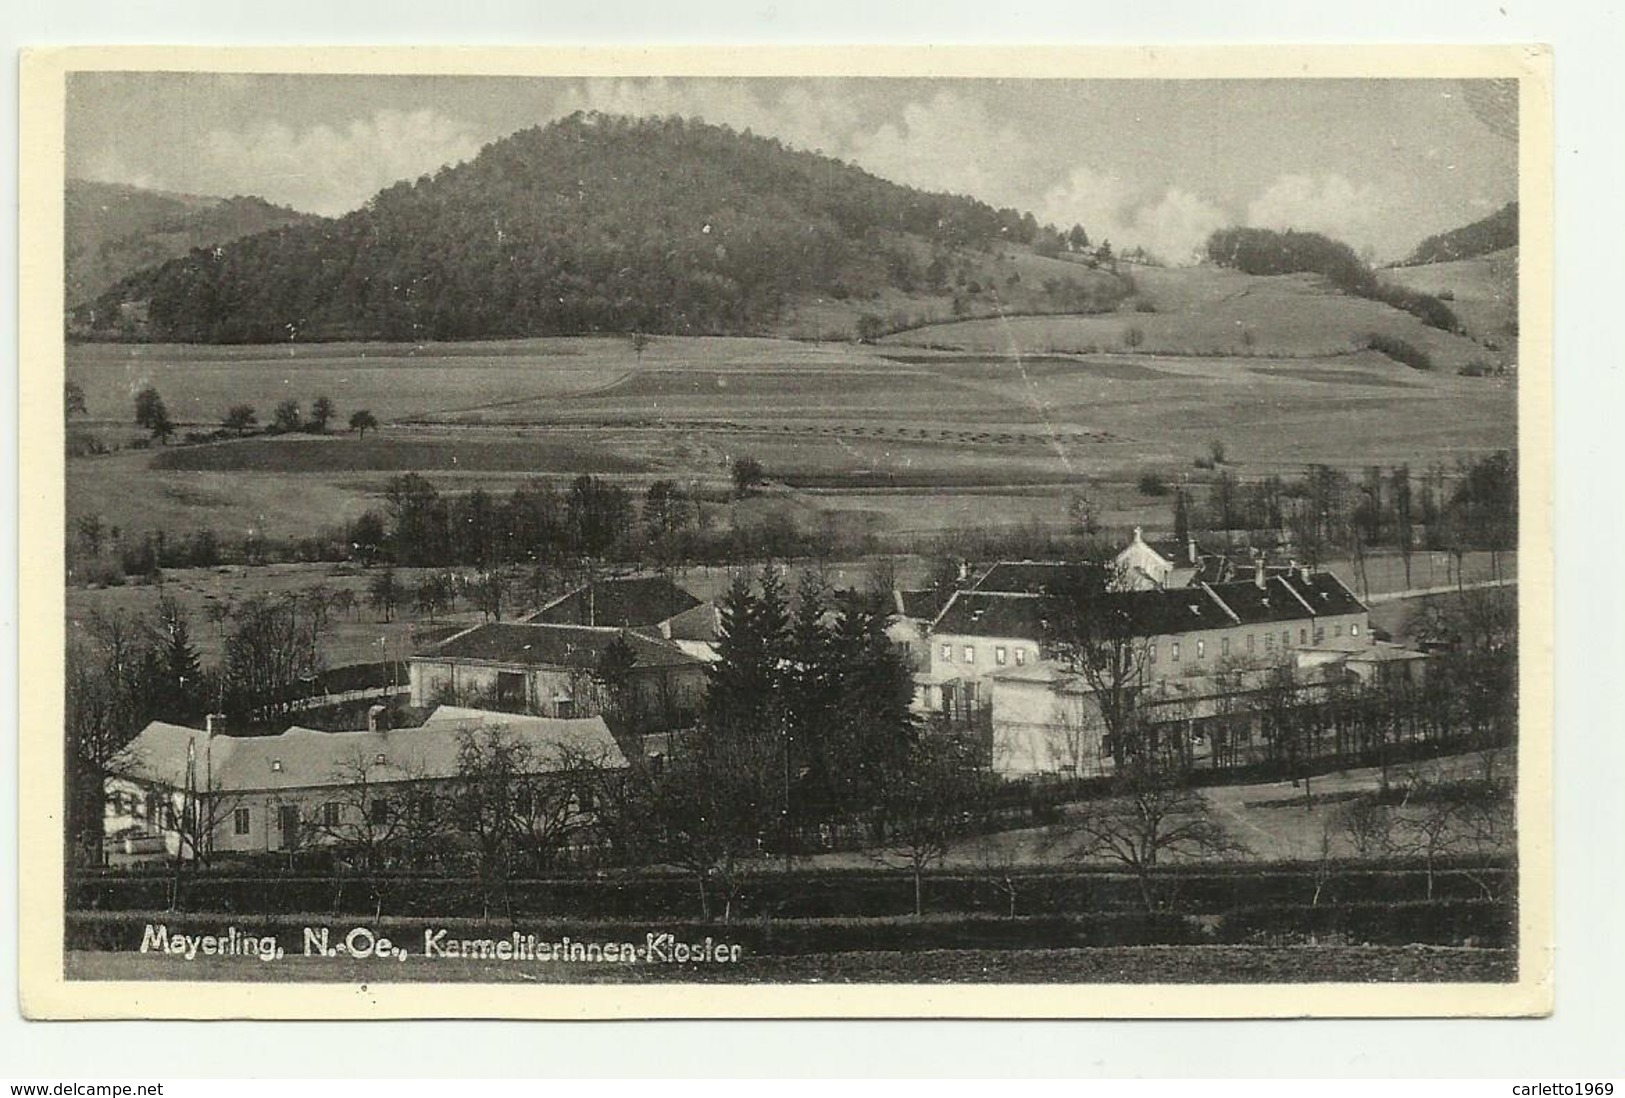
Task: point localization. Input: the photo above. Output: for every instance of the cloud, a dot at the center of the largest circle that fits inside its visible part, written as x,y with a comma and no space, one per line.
1172,225
951,143
1330,204
330,169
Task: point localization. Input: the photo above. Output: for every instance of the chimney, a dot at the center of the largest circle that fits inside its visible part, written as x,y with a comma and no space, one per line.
1258,574
376,718
1304,572
964,570
1190,546
212,723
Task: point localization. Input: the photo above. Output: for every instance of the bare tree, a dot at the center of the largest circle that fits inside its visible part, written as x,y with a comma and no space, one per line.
382,818
1093,630
1152,815
926,806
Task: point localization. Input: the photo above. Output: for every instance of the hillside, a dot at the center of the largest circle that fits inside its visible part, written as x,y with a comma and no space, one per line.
112,231
1494,233
1216,312
606,224
1483,292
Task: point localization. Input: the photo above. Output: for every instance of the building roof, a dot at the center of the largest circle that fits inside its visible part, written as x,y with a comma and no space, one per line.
1324,592
982,614
540,645
620,601
923,604
1255,605
1026,577
304,758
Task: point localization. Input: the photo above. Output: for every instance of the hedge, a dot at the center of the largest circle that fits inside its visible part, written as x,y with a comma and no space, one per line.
830,894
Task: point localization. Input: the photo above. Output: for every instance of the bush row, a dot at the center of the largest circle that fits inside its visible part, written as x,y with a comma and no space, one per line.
795,895
1454,922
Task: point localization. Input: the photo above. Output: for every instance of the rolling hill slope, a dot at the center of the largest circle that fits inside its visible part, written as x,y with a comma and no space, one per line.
609,224
112,231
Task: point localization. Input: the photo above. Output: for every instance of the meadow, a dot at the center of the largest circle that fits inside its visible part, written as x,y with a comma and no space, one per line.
993,423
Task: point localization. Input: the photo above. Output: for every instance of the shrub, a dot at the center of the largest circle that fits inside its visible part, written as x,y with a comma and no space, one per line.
1153,484
1144,306
1133,337
1399,350
1478,368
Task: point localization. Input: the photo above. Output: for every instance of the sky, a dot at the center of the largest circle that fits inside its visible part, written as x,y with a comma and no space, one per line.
1379,164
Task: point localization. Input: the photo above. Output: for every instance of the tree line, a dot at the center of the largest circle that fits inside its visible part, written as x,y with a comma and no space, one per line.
152,415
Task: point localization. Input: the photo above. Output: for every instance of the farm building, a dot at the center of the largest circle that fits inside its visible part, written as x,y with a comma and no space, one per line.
180,791
1194,649
650,604
563,671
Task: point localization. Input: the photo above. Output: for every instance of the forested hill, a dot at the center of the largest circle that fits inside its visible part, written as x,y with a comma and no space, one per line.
110,230
1490,234
592,223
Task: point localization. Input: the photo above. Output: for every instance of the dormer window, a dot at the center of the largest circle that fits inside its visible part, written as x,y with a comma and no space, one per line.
276,765
380,759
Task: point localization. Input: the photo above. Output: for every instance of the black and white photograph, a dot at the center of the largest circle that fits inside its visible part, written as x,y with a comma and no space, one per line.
686,543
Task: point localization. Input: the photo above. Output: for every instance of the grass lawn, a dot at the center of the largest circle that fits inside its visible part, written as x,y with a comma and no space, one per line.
1110,965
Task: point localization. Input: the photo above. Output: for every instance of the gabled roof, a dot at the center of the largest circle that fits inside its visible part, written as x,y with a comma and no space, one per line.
1170,610
620,601
301,758
1255,605
538,645
1324,592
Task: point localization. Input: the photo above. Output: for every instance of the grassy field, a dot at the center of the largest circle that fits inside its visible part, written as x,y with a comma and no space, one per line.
1212,311
1483,291
916,444
992,423
1111,965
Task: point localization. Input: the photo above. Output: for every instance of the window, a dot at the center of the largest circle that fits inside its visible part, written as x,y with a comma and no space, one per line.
425,806
378,811
1354,630
1269,642
287,821
1201,649
1320,633
1303,636
1249,642
1021,656
1175,656
1151,652
239,822
948,652
510,688
1224,646
970,654
1286,638
1337,630
584,800
330,814
999,655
